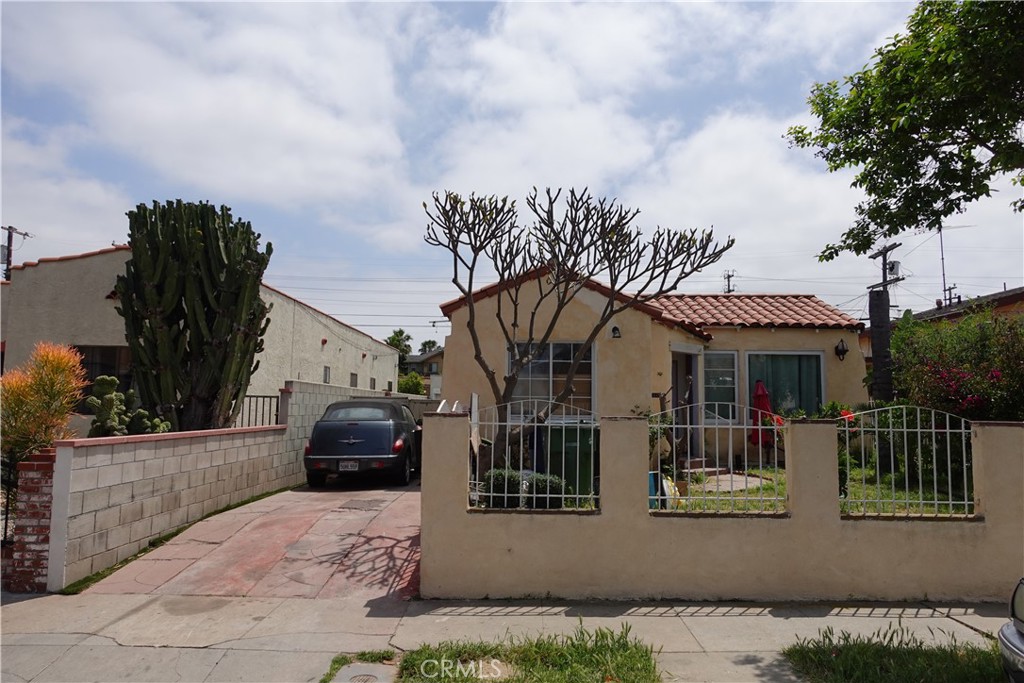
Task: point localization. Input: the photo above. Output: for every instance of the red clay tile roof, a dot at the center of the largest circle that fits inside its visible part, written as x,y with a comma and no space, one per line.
756,310
72,257
650,308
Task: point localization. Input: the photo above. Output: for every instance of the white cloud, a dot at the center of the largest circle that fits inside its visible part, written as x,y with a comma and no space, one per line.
42,196
281,104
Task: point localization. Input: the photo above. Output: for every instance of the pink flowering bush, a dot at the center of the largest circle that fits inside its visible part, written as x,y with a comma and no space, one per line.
972,367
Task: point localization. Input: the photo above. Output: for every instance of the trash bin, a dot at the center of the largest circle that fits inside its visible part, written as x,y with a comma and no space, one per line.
571,455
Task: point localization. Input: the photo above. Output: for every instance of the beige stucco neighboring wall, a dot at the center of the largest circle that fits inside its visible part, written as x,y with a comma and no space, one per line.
843,380
294,349
622,367
63,302
811,553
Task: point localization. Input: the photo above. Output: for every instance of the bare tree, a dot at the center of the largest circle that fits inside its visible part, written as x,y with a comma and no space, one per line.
548,262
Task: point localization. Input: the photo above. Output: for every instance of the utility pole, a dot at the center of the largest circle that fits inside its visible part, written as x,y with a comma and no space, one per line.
11,232
881,355
728,276
878,313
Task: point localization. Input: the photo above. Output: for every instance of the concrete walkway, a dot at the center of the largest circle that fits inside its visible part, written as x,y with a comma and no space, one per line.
274,590
97,637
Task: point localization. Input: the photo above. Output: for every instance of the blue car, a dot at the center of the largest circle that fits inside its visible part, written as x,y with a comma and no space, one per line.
1011,637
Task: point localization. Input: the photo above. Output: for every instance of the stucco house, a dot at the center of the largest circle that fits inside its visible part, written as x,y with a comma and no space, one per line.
681,349
71,300
429,366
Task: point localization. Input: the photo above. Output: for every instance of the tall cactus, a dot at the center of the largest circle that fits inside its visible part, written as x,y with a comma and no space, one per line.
194,320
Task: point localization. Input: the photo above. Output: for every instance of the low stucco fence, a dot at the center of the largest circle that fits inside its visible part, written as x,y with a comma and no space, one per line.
809,551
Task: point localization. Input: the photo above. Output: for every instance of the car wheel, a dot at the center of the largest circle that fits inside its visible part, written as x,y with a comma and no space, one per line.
403,477
316,480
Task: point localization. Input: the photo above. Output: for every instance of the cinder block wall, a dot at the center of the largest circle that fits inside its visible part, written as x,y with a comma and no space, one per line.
303,403
113,495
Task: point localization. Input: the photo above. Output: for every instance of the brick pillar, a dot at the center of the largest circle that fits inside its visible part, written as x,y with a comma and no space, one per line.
29,562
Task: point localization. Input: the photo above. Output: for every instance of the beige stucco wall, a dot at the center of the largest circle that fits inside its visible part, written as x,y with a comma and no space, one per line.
294,349
622,367
628,370
65,301
844,380
810,553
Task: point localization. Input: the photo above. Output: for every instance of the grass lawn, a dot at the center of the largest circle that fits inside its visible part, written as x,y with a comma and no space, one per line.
891,656
585,656
867,495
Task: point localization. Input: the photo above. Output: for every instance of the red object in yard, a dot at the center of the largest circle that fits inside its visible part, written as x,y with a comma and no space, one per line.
760,413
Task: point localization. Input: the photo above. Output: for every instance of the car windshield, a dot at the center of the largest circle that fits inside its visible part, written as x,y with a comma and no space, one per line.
358,413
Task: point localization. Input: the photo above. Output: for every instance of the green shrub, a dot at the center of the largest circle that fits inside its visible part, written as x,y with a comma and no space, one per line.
503,488
972,367
544,491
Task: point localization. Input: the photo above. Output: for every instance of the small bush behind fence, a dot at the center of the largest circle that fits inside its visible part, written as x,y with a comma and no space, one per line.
258,411
522,459
905,461
716,458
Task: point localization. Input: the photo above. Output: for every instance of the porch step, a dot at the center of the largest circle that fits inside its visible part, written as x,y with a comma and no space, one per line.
702,465
706,471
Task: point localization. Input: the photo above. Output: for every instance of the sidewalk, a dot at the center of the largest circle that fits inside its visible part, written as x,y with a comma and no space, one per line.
144,637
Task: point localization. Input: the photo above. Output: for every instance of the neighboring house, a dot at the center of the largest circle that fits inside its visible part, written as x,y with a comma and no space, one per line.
681,349
429,366
1006,302
71,300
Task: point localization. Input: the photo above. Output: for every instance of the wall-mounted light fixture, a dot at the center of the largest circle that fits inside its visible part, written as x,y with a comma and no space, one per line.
842,349
323,342
616,333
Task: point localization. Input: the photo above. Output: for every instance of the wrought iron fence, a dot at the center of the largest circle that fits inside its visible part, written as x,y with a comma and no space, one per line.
905,461
716,458
534,455
258,411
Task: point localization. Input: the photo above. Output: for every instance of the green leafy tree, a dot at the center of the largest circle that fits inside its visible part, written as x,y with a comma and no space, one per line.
972,367
401,341
411,384
428,346
194,320
929,123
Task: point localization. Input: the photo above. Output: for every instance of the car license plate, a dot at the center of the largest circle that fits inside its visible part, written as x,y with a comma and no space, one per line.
348,466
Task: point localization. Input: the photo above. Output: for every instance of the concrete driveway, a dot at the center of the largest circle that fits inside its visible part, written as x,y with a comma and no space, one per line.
355,539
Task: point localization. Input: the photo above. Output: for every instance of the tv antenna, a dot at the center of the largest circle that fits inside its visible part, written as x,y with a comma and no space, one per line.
947,293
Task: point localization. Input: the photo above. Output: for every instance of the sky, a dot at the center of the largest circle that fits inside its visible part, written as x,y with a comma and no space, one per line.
327,125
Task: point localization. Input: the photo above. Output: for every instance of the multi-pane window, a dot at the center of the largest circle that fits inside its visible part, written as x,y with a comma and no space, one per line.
544,377
114,361
793,380
353,380
720,385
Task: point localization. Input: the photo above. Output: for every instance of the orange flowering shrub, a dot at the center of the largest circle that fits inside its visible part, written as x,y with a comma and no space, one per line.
37,399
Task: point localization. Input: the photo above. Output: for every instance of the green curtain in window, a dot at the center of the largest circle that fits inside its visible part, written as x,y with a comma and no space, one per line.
793,380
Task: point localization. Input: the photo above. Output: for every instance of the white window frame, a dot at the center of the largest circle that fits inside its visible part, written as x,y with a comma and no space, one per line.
712,418
772,352
593,380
